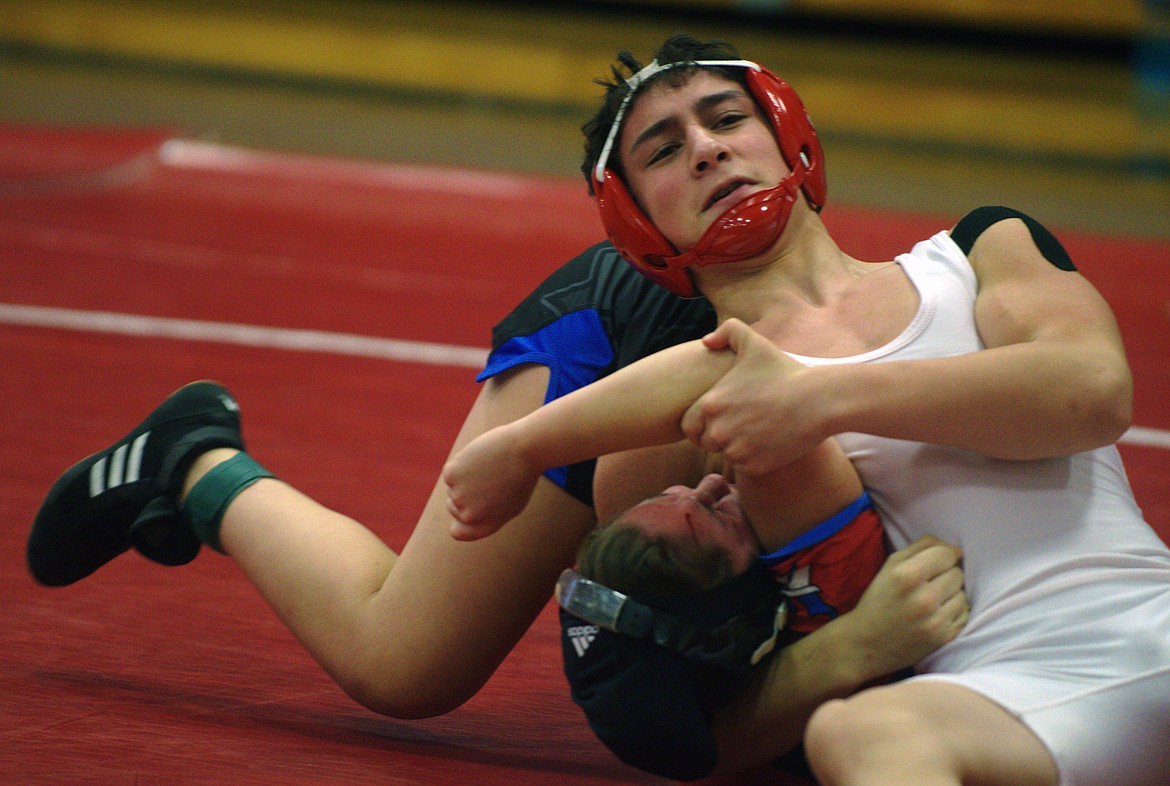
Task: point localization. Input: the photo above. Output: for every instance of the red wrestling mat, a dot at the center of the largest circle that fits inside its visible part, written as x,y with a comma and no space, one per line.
145,674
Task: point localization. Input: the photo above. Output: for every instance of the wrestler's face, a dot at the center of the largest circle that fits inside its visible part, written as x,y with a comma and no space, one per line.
690,152
709,514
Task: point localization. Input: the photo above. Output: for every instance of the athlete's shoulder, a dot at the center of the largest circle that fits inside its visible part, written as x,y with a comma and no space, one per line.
637,315
597,277
591,279
971,226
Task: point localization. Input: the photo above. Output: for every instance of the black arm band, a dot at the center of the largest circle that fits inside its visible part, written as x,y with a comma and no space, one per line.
972,225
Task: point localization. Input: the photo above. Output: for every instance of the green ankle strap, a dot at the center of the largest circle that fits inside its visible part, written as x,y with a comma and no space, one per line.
209,498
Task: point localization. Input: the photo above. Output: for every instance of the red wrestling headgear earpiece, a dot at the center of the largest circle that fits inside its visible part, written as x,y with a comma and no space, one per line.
746,228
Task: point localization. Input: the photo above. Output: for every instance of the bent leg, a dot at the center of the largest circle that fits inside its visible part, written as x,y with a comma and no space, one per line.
921,733
415,634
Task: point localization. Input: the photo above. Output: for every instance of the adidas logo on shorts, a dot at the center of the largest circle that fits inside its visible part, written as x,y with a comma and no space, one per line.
582,636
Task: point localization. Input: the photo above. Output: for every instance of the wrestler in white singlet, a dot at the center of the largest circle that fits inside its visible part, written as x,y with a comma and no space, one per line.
1069,587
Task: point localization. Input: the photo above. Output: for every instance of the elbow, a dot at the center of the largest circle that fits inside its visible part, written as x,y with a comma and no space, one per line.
1117,416
1092,412
1115,423
1106,407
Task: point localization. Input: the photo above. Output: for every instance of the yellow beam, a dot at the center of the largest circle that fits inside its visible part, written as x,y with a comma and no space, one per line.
487,52
386,49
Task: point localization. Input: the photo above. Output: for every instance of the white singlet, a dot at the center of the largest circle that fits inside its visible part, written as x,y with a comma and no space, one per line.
1069,587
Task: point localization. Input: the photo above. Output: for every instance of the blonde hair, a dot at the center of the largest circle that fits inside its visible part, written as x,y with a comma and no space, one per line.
624,558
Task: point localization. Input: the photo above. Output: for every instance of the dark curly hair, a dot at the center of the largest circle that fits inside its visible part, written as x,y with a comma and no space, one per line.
677,49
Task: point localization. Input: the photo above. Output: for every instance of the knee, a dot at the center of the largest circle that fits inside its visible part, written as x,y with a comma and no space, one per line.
406,695
830,740
861,734
396,704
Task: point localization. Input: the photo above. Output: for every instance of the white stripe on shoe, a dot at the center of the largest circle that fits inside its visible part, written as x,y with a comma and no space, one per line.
134,466
97,477
122,466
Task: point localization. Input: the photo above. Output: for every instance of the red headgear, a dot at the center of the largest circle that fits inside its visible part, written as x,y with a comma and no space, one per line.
745,229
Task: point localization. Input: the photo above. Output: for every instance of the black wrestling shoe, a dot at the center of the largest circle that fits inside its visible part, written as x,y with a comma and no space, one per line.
123,496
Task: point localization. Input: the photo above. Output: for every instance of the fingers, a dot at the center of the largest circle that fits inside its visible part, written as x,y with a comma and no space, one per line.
929,552
463,520
717,338
731,334
930,570
925,543
949,583
955,613
694,427
693,422
459,529
466,533
466,526
941,597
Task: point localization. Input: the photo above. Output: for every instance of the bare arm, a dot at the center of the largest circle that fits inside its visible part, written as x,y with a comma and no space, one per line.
640,405
914,605
1053,380
637,406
